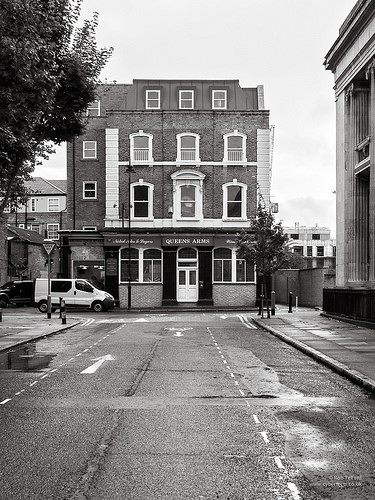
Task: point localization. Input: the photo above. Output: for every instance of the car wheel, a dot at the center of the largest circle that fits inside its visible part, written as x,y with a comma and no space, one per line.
43,306
4,301
98,307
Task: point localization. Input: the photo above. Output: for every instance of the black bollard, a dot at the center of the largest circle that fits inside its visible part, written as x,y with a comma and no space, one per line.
273,303
62,311
290,302
1,314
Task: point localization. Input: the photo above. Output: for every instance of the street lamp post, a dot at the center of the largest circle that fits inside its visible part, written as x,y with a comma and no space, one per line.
129,170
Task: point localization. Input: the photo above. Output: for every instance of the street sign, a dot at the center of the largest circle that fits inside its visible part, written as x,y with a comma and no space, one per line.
49,246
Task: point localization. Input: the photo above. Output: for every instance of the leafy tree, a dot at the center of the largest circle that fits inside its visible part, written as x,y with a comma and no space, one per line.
49,69
263,244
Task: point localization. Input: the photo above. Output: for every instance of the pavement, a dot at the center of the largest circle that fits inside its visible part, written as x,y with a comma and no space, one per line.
346,348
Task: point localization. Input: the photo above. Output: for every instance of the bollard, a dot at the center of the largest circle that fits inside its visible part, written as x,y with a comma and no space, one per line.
296,302
273,303
1,314
290,302
62,311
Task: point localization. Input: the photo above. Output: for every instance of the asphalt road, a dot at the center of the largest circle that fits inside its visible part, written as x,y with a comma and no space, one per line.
188,406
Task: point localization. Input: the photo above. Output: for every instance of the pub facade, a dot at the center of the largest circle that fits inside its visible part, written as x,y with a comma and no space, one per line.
166,175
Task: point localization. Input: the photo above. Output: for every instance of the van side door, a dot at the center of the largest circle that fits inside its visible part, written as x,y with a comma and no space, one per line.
62,288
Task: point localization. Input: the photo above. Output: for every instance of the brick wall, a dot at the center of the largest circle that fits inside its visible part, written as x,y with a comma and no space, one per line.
234,295
147,295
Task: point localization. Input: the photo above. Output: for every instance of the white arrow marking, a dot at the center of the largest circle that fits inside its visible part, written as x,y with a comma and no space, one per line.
140,320
178,334
99,362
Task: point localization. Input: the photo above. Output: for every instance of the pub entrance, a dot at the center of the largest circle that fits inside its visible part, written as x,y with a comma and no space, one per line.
187,275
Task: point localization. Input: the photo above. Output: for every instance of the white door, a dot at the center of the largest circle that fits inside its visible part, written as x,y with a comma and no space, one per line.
187,285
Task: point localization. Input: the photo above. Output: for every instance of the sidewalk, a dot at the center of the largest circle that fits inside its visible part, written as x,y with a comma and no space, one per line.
20,326
346,348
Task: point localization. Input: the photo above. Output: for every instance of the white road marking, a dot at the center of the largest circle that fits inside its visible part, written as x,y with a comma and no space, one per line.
5,401
294,490
33,383
265,437
178,334
256,419
99,361
279,462
141,320
241,392
246,322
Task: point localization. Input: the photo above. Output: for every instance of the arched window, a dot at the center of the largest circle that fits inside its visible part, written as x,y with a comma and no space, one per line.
188,148
234,147
187,195
222,264
234,200
141,147
142,194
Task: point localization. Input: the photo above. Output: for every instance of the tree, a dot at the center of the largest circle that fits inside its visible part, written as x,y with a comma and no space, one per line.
264,245
49,70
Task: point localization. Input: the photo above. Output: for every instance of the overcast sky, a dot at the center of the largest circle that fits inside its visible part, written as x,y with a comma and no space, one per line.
280,44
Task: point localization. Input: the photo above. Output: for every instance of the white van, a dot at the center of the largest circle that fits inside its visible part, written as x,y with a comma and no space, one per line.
75,292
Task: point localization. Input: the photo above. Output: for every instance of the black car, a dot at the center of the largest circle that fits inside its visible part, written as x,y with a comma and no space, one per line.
17,293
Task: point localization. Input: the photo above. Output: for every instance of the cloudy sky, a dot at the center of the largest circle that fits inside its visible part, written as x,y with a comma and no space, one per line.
280,44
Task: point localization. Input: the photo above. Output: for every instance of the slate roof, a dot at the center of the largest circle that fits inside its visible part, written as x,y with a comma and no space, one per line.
43,186
25,235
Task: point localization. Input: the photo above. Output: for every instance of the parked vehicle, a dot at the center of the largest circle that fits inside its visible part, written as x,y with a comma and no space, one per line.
75,292
17,293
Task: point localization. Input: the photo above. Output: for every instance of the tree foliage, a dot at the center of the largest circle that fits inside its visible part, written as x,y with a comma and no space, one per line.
263,243
49,70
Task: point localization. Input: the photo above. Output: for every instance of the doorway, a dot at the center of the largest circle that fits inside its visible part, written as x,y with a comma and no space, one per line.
187,275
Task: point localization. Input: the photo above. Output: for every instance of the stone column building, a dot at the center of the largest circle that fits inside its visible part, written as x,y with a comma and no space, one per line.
351,60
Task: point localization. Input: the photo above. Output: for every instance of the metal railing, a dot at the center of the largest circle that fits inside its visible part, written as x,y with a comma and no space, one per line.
188,155
235,155
357,304
141,155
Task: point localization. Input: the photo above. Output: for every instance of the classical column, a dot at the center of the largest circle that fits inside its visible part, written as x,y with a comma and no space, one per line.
371,219
349,185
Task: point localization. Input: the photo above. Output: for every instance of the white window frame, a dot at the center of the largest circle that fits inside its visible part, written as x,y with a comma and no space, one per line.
89,228
87,148
186,99
152,99
234,261
196,149
93,109
49,204
133,157
51,232
187,178
216,99
243,158
243,201
150,200
84,190
33,204
140,259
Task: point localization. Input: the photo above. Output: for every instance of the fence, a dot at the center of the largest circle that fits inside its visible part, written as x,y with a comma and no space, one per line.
356,304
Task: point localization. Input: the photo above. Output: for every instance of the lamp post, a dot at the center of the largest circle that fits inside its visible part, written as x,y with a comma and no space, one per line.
129,170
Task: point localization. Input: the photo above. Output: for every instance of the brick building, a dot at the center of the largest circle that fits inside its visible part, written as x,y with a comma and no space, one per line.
188,159
45,209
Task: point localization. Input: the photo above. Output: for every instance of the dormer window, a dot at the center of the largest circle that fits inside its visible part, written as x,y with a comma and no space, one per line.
152,99
186,99
219,99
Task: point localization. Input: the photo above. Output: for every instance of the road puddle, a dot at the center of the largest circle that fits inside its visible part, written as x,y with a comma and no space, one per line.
26,358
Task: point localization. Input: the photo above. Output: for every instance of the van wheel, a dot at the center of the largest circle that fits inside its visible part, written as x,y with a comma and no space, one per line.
43,306
98,307
4,301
